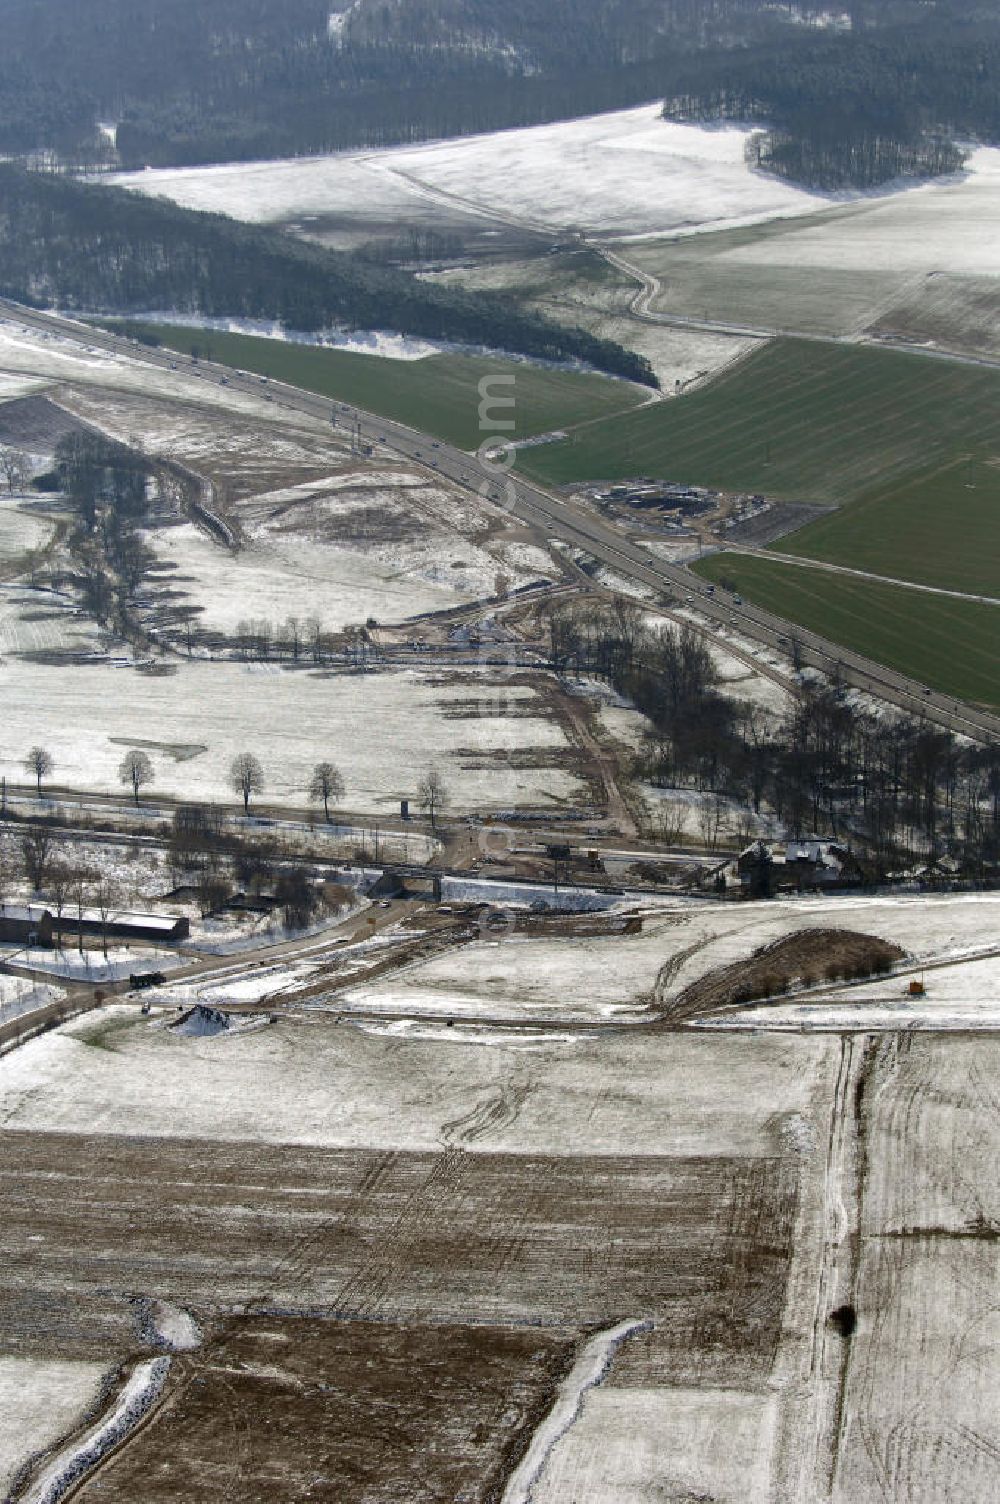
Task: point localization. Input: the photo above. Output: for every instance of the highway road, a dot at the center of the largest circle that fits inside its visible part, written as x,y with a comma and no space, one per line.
560,518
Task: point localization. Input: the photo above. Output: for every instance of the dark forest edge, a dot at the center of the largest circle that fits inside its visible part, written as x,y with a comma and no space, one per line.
861,108
100,250
855,97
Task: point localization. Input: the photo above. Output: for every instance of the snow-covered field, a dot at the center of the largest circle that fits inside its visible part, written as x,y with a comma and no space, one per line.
518,980
560,290
40,621
607,978
18,386
51,359
925,1244
278,577
40,1401
379,342
250,451
383,730
19,995
964,995
325,533
619,174
952,225
21,528
89,965
919,264
740,682
919,1421
408,547
313,1082
693,1444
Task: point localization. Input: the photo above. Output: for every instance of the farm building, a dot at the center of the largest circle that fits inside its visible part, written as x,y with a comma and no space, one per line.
26,924
811,864
799,864
128,926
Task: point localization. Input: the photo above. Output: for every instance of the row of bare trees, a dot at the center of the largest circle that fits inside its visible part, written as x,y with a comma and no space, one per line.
108,486
246,776
898,787
303,640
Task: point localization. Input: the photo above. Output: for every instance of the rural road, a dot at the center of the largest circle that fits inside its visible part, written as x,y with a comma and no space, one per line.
559,518
651,287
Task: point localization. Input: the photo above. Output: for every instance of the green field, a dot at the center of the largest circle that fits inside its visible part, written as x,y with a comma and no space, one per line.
797,420
951,645
937,529
439,395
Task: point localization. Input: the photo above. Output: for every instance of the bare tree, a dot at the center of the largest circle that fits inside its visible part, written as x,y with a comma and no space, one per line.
745,825
246,777
15,468
39,763
667,824
136,769
297,897
710,815
214,887
326,784
313,631
291,637
60,888
253,862
432,795
36,852
8,867
198,838
106,898
80,893
795,652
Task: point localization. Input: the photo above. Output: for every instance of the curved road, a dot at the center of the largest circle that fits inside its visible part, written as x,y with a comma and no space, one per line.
650,288
560,518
